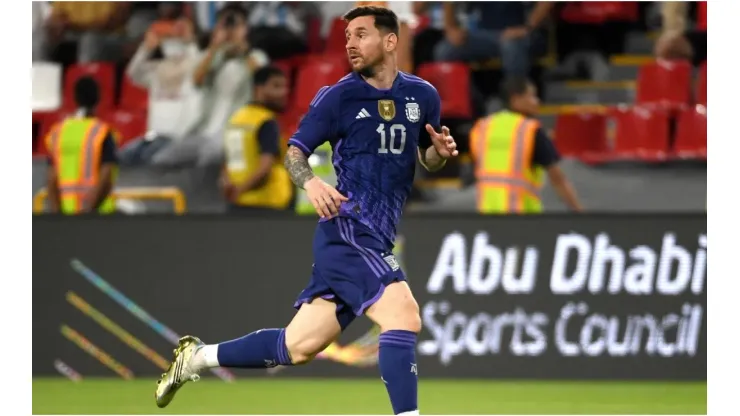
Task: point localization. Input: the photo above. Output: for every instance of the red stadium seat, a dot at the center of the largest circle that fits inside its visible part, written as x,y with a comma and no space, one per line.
640,133
701,85
128,124
665,83
313,75
133,97
336,41
581,134
452,80
102,72
691,134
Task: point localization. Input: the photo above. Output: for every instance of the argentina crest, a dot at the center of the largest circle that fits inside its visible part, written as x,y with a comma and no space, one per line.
413,113
387,109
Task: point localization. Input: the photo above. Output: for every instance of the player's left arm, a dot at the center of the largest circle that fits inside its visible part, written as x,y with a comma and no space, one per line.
436,145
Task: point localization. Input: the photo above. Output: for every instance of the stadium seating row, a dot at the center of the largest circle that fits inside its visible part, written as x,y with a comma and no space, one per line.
644,133
660,86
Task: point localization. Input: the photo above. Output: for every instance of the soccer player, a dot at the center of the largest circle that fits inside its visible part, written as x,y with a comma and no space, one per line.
377,120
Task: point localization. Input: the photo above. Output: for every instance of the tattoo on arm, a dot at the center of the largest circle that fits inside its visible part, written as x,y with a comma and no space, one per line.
297,165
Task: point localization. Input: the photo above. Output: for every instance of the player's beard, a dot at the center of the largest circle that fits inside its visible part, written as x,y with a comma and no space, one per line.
369,70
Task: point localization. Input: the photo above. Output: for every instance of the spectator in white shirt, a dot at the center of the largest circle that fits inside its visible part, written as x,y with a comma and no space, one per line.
164,65
224,78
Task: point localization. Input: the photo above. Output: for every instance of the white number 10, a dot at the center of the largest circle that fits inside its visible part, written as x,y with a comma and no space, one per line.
396,148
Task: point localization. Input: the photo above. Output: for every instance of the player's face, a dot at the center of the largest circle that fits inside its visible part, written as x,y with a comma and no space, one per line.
275,92
366,46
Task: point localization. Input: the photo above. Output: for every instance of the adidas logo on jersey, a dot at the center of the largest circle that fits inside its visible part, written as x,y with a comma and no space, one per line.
362,114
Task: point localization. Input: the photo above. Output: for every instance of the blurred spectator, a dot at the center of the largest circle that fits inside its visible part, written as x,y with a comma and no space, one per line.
679,40
490,30
224,77
510,181
589,33
164,65
206,14
82,158
98,27
39,12
430,30
279,28
253,177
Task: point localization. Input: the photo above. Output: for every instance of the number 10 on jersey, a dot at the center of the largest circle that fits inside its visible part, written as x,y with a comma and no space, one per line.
397,141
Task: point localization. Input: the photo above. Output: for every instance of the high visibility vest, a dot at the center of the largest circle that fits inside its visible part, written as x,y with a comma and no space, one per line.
322,166
75,146
502,145
242,153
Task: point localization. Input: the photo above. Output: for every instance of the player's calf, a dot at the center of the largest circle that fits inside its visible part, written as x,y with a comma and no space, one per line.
397,314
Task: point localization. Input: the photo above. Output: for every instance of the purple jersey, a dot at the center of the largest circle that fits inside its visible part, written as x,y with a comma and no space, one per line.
374,136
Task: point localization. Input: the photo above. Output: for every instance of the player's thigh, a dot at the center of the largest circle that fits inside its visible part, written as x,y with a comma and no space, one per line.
396,309
312,329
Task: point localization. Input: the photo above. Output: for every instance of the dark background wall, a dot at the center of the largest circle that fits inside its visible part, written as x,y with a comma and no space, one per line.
583,297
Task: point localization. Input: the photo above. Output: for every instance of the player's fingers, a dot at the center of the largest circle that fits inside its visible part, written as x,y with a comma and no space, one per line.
337,197
454,153
451,145
445,131
430,130
319,209
330,205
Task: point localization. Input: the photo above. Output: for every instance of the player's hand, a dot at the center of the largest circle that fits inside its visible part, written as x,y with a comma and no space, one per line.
443,142
324,197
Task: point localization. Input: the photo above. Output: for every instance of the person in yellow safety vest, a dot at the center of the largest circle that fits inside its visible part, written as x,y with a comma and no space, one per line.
511,154
82,158
253,177
322,166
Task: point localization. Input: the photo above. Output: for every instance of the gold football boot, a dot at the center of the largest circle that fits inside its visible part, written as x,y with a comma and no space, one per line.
179,372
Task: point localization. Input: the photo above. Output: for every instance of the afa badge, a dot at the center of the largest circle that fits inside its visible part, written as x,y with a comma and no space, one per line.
387,109
413,112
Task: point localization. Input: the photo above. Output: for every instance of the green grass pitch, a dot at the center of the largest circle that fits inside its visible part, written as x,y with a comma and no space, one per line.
323,396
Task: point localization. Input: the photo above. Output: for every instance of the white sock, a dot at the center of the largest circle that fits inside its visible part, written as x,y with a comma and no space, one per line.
411,413
207,356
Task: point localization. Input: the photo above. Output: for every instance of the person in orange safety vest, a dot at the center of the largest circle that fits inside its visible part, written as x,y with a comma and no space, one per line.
512,154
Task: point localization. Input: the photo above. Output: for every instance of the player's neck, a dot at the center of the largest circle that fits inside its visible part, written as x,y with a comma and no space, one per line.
384,77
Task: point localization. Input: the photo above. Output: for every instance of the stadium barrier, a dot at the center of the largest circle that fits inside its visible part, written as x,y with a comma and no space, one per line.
533,297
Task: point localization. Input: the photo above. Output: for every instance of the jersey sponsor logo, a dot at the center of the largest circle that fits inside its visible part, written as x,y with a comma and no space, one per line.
392,262
413,112
387,109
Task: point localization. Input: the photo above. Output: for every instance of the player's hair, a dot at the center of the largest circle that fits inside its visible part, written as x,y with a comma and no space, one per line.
87,92
385,20
262,76
512,87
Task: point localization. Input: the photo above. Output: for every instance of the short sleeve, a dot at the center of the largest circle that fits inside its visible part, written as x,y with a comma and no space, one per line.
432,116
319,125
108,153
545,154
268,137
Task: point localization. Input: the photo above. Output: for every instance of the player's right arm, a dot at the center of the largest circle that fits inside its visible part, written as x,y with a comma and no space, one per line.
317,127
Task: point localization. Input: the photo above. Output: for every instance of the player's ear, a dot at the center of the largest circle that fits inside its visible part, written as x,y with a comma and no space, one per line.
391,40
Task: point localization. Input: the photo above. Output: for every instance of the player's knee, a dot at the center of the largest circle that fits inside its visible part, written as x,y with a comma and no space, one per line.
403,315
